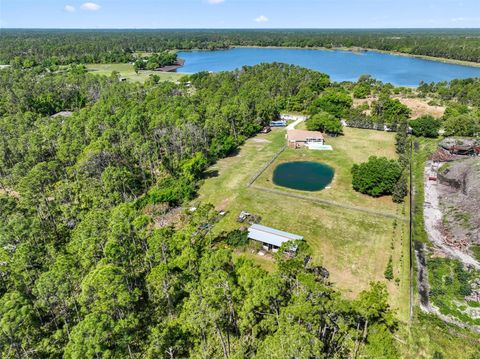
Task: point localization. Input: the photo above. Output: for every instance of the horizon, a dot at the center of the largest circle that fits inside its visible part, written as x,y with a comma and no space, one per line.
243,28
239,14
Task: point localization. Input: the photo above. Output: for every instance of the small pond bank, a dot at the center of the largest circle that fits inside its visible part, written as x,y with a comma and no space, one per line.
303,175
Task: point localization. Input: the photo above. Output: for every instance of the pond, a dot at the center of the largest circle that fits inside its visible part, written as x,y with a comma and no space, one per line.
303,175
340,65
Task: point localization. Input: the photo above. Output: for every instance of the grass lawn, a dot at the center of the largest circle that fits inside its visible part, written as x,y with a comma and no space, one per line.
352,245
127,71
429,335
354,147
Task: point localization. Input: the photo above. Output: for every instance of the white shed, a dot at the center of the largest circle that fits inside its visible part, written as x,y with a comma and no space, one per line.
271,239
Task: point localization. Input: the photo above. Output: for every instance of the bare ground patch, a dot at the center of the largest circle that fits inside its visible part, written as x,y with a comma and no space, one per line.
418,106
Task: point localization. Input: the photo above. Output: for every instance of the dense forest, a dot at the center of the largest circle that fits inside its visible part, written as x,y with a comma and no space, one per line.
86,268
53,47
87,272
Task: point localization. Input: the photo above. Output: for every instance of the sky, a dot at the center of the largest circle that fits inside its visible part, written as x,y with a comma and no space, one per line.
240,14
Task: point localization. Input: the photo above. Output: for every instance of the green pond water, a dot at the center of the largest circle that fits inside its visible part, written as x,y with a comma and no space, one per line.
303,175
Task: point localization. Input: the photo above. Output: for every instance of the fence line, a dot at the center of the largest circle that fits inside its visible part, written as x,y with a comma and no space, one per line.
331,203
265,166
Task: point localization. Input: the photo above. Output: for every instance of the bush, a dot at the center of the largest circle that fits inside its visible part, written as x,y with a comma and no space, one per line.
362,90
390,111
400,190
389,271
377,177
356,118
425,126
169,190
325,122
463,125
237,238
335,102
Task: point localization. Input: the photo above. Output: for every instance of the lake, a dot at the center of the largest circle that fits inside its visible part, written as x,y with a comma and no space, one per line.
340,65
303,175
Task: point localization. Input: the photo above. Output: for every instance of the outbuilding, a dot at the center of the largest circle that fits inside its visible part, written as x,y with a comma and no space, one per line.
301,138
271,239
278,123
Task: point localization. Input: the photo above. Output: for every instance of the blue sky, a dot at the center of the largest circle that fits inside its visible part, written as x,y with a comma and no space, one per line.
239,13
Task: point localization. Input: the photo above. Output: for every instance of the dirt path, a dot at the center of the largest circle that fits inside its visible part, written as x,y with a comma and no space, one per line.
296,120
433,221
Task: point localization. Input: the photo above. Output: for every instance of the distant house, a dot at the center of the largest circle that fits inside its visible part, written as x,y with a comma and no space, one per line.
301,138
279,123
271,239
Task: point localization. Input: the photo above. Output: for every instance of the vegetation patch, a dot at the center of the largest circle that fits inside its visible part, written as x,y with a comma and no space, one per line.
450,284
353,246
128,72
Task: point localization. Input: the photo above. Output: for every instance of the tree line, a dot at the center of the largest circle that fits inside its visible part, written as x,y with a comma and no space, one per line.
85,269
59,47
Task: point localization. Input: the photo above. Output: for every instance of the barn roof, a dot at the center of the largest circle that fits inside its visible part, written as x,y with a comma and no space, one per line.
303,135
270,235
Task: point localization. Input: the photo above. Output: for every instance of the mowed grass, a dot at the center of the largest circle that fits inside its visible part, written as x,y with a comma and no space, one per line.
352,245
127,71
355,146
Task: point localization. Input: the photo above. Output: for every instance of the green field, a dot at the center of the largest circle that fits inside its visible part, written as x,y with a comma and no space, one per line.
127,71
352,245
429,335
354,147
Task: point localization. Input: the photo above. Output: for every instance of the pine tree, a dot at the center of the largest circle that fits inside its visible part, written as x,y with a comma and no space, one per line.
389,271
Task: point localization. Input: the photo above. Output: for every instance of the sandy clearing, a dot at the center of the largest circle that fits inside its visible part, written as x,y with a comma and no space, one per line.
419,107
433,220
9,192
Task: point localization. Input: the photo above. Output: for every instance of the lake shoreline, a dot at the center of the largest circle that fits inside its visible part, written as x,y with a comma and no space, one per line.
359,49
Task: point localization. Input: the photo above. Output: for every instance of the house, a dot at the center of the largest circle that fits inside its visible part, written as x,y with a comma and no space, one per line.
301,138
271,239
279,123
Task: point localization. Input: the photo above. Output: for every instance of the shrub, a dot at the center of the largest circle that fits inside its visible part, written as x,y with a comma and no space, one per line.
362,90
390,111
389,271
325,122
237,238
376,177
400,190
335,102
425,126
463,125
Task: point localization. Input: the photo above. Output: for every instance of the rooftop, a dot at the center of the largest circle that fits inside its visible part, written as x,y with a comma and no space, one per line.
303,135
270,235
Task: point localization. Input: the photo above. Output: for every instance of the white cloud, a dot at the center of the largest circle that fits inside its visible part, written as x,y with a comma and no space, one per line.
69,8
90,6
261,18
215,2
